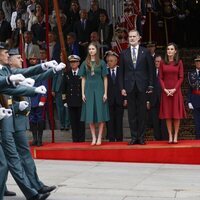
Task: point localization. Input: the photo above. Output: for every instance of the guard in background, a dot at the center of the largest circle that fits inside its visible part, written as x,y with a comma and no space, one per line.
115,100
57,87
73,99
194,94
37,113
153,105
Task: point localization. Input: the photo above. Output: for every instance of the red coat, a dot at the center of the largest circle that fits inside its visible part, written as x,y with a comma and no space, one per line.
171,76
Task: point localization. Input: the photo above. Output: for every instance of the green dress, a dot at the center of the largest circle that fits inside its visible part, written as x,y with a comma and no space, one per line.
94,110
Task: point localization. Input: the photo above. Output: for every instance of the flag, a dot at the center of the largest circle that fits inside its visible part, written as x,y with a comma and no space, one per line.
21,49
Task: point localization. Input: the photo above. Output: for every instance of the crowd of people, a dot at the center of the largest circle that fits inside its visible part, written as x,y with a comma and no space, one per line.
101,80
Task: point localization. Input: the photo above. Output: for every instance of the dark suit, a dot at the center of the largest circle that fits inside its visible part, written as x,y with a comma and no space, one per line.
83,35
39,32
115,101
72,90
73,49
5,31
159,126
136,82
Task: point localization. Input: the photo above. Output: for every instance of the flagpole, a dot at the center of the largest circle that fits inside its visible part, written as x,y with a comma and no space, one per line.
61,38
49,96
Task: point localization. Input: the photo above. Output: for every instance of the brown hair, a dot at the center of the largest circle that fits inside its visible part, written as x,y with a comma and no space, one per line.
176,56
88,58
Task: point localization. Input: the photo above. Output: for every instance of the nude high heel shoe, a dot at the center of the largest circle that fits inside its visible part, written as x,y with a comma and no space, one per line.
98,141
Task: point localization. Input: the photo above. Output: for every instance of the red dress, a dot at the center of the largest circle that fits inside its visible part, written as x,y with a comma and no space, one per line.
171,76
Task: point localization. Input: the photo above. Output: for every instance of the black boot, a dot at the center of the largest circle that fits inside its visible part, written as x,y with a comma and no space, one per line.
33,128
40,133
8,193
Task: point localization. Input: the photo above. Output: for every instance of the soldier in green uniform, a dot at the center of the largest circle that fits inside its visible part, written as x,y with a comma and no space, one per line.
5,82
7,127
21,123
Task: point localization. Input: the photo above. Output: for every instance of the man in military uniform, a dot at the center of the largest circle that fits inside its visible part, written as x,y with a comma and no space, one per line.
3,164
121,41
37,112
5,82
57,87
194,94
21,124
73,99
7,126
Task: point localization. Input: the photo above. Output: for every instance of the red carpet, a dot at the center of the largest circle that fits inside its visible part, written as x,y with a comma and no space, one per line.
185,152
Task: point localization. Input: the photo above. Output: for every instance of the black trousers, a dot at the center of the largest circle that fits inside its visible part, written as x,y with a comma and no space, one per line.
137,113
115,124
78,127
159,126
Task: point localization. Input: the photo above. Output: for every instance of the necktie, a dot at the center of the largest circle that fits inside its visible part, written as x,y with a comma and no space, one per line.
156,72
74,73
113,75
134,57
198,74
83,24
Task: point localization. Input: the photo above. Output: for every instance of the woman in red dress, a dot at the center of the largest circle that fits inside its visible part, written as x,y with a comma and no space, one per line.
172,104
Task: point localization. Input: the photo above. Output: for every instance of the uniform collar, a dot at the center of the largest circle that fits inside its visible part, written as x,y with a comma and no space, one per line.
75,71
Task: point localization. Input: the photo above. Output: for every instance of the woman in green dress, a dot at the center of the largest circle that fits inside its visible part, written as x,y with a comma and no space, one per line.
93,72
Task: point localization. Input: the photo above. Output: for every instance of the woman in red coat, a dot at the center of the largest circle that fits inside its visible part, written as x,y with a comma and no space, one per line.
172,104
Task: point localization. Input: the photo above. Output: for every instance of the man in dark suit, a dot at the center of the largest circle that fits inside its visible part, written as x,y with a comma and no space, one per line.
5,28
153,105
72,45
82,29
136,80
115,99
73,99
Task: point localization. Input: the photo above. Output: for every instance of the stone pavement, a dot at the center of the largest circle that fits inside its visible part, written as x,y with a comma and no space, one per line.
116,181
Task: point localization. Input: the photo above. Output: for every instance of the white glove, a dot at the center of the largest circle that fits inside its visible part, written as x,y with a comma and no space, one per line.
59,67
23,105
65,105
28,82
2,113
41,104
190,106
16,78
41,89
8,112
49,64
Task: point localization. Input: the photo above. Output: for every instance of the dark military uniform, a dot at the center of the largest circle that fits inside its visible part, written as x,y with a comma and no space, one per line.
194,98
72,90
57,84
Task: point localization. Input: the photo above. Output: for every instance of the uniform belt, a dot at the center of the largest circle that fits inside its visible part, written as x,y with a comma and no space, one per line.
197,92
26,113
